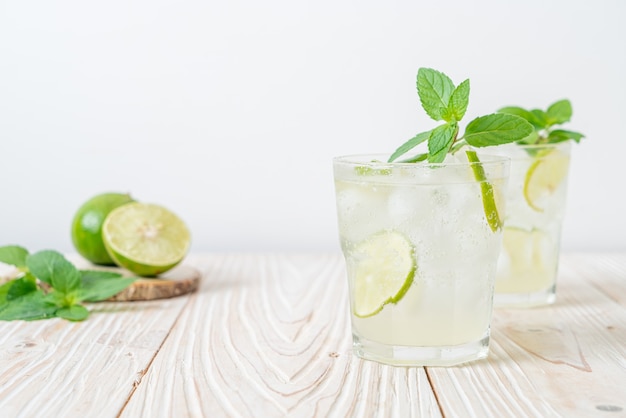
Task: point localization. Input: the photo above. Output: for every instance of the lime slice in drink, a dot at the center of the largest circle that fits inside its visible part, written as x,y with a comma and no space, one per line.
146,239
543,177
383,271
487,191
528,251
524,247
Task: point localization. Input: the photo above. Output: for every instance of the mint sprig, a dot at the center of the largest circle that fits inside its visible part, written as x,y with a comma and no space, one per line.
443,101
545,123
50,286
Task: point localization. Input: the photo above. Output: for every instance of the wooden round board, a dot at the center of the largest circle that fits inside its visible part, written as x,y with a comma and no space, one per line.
178,281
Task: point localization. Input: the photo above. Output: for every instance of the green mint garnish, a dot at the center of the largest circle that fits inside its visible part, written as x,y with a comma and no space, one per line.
435,90
410,144
101,285
52,268
73,313
28,306
495,129
50,286
544,123
443,101
14,255
440,141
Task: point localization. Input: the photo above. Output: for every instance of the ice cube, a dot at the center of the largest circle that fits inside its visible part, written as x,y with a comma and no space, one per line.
410,204
361,210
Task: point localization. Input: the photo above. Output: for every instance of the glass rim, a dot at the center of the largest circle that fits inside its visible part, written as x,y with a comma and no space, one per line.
524,152
540,146
486,159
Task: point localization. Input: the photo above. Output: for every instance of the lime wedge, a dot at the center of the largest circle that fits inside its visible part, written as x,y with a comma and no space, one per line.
486,189
369,171
543,177
528,250
383,272
146,239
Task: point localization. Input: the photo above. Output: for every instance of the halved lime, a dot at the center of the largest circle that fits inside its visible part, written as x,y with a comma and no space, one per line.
146,239
543,177
383,272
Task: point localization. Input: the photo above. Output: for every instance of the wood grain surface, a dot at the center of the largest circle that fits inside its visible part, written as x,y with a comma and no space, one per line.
567,360
268,335
278,345
56,368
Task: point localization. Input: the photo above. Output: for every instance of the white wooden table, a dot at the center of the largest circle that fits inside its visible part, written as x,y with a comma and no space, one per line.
268,336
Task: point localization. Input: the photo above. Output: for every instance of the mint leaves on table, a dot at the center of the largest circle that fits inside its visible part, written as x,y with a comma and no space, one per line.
50,286
544,123
443,101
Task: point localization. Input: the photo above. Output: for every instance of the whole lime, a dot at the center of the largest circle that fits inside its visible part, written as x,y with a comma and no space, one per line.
87,226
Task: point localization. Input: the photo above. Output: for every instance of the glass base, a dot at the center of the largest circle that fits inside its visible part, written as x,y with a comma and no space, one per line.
525,300
399,355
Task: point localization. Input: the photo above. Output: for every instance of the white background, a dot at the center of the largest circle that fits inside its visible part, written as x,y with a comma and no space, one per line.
229,112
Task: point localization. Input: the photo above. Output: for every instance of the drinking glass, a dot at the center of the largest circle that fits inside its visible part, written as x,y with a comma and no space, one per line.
420,256
536,198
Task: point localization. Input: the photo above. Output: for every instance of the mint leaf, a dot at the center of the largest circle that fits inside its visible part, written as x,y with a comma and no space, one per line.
73,313
517,111
410,144
459,100
20,287
560,135
25,299
30,306
537,122
434,90
62,299
440,142
101,285
52,268
416,158
559,112
496,129
540,118
530,139
13,255
4,290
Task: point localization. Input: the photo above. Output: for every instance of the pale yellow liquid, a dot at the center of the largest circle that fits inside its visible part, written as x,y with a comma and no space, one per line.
431,315
450,300
528,263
